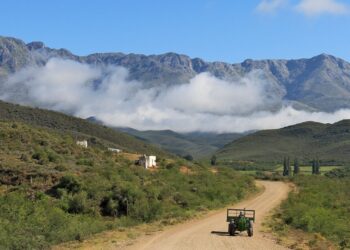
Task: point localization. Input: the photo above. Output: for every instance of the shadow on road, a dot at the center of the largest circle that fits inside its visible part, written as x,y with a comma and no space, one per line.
220,233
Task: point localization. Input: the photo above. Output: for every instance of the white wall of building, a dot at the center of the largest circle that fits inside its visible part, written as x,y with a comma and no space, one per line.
115,150
148,161
83,144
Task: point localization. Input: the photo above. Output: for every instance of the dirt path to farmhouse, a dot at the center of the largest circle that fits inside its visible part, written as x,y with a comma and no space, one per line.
211,232
206,233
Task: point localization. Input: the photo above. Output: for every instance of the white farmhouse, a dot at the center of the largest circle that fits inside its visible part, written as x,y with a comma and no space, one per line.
115,150
147,161
83,144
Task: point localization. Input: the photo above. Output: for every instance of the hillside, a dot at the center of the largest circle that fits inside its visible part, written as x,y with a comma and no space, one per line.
319,83
79,128
196,144
52,190
328,142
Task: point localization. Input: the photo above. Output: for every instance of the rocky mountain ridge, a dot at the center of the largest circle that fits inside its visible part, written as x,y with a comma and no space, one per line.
319,83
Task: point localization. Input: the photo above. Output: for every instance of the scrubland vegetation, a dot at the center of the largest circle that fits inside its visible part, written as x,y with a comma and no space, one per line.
53,190
320,205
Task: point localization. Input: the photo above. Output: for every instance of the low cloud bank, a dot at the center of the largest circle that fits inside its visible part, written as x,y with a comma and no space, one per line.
205,103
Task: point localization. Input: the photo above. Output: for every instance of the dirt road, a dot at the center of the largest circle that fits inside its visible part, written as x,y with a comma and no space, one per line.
211,232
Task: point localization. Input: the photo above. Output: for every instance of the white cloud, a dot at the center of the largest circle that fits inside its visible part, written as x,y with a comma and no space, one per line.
207,94
205,103
306,7
318,7
269,6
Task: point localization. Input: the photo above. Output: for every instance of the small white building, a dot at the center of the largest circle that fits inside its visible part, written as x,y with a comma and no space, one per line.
83,143
147,161
115,150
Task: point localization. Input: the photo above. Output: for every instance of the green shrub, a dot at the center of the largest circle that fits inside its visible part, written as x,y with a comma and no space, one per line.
53,157
61,168
77,203
188,157
39,156
86,162
43,143
339,173
170,165
69,183
109,207
24,157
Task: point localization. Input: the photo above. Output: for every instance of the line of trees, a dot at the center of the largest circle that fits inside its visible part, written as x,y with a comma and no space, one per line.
287,168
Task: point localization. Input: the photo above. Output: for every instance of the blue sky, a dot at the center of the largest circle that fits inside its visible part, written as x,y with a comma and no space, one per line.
216,30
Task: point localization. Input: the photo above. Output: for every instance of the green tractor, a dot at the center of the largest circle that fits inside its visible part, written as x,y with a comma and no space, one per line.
240,220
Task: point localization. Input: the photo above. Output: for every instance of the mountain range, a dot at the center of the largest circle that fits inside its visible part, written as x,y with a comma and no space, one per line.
320,83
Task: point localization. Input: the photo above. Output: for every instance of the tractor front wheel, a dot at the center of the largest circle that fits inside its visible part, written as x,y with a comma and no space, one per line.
231,229
250,229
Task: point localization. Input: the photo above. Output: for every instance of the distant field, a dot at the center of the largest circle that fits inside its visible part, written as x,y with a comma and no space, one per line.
248,172
307,169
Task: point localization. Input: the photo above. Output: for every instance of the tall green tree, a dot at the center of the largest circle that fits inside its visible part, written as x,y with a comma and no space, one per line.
296,166
317,169
313,166
213,160
188,157
286,166
289,167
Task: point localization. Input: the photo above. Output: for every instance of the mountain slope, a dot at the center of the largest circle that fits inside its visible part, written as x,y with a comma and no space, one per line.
52,190
321,82
196,144
309,140
79,128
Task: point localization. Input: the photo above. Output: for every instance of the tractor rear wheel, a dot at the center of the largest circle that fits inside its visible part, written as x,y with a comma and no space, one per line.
250,229
231,229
